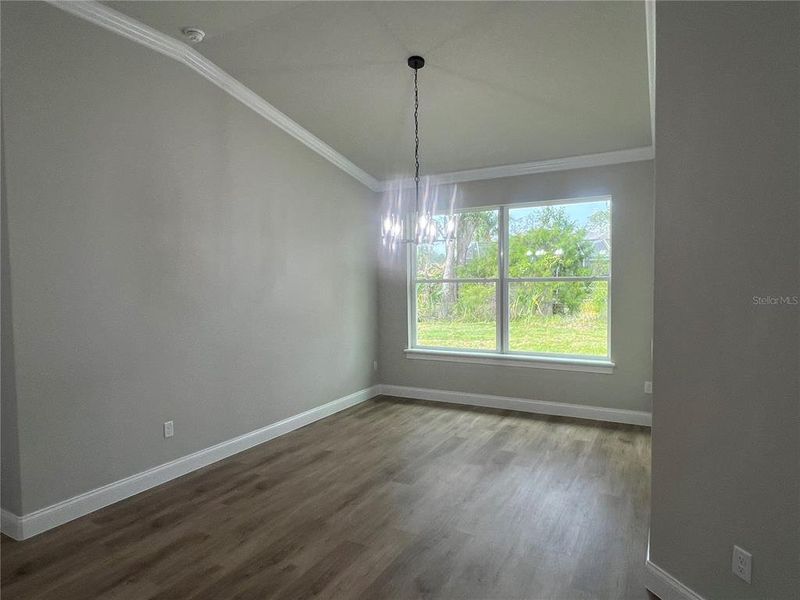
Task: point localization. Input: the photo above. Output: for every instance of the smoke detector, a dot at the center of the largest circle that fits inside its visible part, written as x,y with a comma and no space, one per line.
194,35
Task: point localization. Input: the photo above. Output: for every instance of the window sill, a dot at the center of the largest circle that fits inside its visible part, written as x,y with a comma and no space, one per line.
586,365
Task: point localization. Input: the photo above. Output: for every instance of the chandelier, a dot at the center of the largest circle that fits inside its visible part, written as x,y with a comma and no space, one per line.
411,220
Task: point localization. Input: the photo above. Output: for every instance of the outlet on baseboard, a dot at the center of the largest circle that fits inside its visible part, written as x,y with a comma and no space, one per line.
648,387
742,563
169,429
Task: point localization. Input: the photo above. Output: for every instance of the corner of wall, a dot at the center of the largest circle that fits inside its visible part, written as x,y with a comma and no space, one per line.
10,490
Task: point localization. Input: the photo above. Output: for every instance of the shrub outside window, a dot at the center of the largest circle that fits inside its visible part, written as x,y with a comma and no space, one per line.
530,279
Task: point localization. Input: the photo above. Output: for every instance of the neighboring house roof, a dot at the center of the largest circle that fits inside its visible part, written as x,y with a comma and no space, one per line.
601,241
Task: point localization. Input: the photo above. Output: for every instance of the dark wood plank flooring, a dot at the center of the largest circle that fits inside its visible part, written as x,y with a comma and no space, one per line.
389,499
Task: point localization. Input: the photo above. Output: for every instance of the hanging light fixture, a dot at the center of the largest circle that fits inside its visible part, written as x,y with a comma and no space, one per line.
401,226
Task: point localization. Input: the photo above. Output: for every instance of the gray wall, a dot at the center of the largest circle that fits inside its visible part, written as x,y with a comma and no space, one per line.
173,256
10,492
631,186
726,453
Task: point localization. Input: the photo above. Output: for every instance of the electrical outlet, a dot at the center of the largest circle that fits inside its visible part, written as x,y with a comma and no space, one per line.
169,429
648,387
742,563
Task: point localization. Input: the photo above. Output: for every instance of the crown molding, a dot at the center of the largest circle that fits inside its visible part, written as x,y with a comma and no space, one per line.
541,166
650,29
134,30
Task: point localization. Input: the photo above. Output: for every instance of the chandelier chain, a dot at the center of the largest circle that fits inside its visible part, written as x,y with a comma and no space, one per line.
416,139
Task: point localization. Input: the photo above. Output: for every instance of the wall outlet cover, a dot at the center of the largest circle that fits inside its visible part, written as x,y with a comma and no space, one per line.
169,429
742,563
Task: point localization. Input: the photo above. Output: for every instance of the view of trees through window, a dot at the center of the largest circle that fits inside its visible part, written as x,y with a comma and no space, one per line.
551,296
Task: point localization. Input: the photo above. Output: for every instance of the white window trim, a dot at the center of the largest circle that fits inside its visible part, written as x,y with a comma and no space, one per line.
503,356
536,361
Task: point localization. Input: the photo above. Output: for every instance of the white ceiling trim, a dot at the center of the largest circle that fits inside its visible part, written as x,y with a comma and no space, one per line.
135,30
541,166
650,24
130,28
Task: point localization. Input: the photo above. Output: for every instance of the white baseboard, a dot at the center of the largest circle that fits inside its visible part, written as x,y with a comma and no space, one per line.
664,585
10,524
597,413
34,523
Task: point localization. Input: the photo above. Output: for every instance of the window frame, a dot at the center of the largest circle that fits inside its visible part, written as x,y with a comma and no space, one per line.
502,354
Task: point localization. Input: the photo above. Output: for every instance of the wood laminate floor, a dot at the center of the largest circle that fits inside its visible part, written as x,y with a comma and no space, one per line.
391,499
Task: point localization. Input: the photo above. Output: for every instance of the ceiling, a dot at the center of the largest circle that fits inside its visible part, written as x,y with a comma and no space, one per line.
504,83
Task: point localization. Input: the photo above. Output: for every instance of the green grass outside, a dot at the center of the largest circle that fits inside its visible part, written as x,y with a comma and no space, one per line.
561,335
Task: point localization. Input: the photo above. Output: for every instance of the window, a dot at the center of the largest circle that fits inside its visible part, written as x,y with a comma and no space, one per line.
516,280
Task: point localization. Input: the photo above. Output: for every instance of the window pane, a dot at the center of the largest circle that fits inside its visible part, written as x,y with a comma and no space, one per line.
463,246
564,240
560,318
457,315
